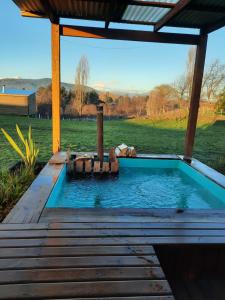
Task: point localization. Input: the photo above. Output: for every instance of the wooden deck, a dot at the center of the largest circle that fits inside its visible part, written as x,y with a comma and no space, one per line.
80,261
114,260
113,254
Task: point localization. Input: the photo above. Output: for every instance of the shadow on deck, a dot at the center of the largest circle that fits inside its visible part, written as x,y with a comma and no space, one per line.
195,272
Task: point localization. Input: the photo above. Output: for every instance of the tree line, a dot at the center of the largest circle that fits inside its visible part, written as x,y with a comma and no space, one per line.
164,100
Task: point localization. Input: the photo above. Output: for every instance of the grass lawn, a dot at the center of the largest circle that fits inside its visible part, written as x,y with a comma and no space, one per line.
147,136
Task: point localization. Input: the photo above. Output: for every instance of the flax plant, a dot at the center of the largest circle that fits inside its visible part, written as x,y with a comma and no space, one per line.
28,152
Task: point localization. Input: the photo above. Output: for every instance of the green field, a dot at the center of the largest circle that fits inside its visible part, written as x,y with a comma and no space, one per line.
147,136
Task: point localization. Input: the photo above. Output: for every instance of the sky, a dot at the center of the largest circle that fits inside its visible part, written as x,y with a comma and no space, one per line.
25,52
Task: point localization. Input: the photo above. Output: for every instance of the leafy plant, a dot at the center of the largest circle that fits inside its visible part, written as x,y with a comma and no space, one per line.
12,187
30,152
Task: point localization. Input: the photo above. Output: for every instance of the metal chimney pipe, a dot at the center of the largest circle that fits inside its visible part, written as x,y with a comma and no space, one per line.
100,133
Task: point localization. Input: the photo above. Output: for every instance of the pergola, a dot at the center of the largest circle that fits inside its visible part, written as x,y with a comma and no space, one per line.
205,15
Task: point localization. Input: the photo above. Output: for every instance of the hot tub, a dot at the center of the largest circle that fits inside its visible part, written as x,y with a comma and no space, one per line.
143,183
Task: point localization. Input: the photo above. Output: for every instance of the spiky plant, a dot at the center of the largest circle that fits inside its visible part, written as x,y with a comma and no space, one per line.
29,152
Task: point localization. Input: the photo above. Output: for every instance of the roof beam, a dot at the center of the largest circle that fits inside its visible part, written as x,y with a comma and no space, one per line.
181,5
129,35
25,13
110,12
47,8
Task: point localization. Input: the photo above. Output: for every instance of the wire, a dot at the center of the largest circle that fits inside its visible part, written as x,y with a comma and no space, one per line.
109,48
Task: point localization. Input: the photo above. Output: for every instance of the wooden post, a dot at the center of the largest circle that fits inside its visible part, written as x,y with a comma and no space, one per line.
195,96
55,87
100,132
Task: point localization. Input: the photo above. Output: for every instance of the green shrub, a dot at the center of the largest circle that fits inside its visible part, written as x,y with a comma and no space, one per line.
12,187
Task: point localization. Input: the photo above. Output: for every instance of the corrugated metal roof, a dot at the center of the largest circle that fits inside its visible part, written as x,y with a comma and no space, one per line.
200,14
144,14
197,14
81,8
196,19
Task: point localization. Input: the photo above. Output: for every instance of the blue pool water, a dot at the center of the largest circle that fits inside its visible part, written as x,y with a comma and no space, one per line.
141,183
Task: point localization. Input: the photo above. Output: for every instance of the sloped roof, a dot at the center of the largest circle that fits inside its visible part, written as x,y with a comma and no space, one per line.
207,15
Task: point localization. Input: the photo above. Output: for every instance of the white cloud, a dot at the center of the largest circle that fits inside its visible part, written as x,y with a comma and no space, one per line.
99,85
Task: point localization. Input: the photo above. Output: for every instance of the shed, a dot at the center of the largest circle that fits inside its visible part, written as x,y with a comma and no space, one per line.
17,102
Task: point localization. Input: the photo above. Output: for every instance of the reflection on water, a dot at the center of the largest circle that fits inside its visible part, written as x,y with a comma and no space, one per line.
138,188
97,203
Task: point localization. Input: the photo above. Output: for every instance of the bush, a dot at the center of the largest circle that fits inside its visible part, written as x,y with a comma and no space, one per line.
220,105
12,187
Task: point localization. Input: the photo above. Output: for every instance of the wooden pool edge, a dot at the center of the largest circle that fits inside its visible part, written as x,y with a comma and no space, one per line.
31,207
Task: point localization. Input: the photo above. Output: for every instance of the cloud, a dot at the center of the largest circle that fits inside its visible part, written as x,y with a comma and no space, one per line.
99,85
107,86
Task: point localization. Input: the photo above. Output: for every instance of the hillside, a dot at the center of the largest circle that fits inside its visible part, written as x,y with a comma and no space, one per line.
29,84
34,84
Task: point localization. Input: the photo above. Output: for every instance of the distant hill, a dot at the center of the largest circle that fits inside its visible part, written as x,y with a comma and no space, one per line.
29,84
35,84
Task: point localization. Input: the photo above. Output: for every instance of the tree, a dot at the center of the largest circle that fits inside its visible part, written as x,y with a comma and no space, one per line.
82,74
190,70
92,97
159,97
220,105
214,79
66,98
109,100
44,101
183,84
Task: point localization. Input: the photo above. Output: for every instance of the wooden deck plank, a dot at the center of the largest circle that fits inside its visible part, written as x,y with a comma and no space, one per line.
113,225
106,241
80,274
66,215
136,225
73,262
86,289
92,233
76,251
